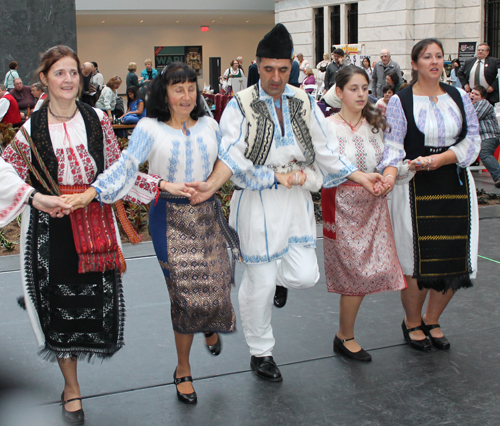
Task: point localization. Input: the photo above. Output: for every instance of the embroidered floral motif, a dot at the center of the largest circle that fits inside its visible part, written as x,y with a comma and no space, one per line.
174,160
205,157
87,164
189,160
16,202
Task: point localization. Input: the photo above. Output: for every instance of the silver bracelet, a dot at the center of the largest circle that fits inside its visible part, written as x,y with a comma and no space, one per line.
390,176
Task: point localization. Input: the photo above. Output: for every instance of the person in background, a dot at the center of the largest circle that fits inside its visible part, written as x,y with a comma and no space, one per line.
11,75
383,102
253,74
9,110
294,74
309,80
107,100
89,92
135,109
489,130
331,70
149,73
132,79
481,71
234,70
365,63
381,69
453,79
38,94
303,66
393,79
320,75
22,94
240,61
321,66
97,78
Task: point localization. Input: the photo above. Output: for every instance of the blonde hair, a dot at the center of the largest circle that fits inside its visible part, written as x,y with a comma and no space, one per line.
148,61
113,80
132,66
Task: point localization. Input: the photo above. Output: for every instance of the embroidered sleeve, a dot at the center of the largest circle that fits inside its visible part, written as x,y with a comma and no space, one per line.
13,194
232,152
122,176
13,158
468,149
394,152
333,166
111,146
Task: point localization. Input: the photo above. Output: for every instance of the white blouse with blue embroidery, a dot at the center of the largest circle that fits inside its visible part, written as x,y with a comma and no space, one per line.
268,219
172,156
440,122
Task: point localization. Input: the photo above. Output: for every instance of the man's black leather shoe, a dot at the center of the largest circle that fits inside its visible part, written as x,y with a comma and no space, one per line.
266,368
280,296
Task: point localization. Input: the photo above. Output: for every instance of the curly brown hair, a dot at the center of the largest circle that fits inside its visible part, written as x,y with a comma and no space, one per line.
369,112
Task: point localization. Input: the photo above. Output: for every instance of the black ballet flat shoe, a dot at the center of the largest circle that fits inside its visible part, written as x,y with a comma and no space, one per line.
73,417
265,368
423,345
214,349
186,398
280,296
338,347
438,342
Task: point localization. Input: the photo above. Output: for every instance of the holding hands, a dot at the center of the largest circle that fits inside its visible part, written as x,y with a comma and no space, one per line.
79,201
374,183
54,206
291,178
425,164
179,189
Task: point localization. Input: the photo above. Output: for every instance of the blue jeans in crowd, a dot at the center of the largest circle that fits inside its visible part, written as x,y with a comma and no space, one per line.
133,119
488,147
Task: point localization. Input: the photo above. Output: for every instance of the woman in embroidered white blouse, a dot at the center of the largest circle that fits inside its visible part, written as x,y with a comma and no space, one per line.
181,144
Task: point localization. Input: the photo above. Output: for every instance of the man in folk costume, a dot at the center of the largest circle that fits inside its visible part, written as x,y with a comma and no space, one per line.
276,144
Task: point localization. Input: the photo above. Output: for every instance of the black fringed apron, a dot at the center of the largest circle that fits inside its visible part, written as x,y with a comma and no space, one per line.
81,315
440,209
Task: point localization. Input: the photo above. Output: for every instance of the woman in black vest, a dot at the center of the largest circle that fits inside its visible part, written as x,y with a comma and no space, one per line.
435,215
74,297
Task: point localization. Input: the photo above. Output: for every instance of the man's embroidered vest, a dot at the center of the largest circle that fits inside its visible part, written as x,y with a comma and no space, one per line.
260,127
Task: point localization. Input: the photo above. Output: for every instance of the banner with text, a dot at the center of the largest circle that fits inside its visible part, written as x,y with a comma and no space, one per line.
192,55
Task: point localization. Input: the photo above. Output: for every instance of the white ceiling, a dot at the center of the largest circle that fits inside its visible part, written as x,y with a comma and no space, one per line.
174,17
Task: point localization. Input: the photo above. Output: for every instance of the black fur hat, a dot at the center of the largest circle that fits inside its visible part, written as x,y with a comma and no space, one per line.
276,44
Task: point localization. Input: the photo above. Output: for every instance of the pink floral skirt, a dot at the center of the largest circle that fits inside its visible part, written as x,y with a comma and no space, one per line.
360,252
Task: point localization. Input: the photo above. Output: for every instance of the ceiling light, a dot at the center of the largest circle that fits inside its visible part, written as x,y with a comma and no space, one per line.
103,22
141,21
248,20
177,22
213,20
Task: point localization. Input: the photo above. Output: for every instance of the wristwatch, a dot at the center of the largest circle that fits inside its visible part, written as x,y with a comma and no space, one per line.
31,197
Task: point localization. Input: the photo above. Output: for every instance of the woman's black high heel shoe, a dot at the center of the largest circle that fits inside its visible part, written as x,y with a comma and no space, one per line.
74,417
423,345
214,349
186,398
338,346
437,342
